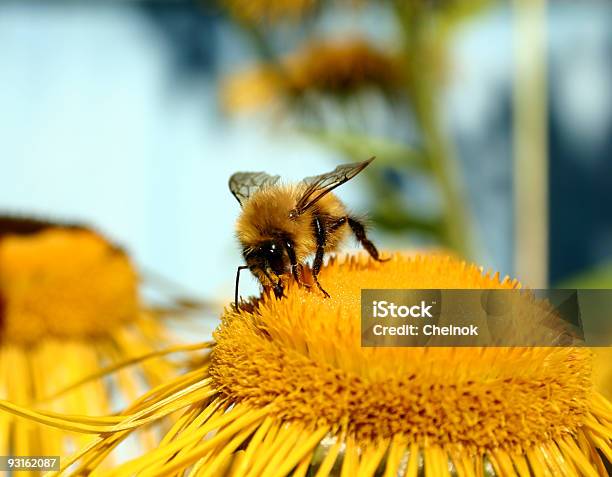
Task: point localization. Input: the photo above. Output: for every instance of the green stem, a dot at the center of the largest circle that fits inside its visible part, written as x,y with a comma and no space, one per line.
264,50
422,90
438,149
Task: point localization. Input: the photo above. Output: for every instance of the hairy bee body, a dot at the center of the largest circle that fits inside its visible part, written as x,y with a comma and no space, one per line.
266,217
280,226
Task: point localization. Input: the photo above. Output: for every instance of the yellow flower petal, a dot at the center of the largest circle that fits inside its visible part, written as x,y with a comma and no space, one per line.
69,307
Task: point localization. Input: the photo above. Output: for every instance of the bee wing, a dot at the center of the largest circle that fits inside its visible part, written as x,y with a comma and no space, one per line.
244,184
318,186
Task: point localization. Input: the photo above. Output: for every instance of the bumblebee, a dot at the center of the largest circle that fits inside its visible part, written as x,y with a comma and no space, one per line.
281,225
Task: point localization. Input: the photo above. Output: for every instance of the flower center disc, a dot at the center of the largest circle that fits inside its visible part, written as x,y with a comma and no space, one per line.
302,355
58,280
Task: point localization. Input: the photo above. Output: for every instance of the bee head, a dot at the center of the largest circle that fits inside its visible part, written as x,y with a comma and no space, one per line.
268,255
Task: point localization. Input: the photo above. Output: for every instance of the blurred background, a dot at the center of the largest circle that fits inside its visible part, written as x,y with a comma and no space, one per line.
491,123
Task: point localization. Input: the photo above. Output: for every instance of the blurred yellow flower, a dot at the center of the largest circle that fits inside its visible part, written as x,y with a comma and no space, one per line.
65,283
335,68
69,306
254,11
289,390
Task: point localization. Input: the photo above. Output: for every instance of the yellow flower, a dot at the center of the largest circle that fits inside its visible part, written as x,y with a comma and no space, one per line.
254,11
335,68
69,306
64,282
289,390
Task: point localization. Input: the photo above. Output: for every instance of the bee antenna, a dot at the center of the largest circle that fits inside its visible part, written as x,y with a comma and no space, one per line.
240,268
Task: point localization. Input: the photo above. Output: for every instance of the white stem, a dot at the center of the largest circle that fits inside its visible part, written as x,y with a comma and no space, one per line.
531,144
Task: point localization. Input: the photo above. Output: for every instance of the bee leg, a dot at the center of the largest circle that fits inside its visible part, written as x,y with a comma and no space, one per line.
300,272
278,290
276,287
360,233
240,268
320,235
337,224
295,266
